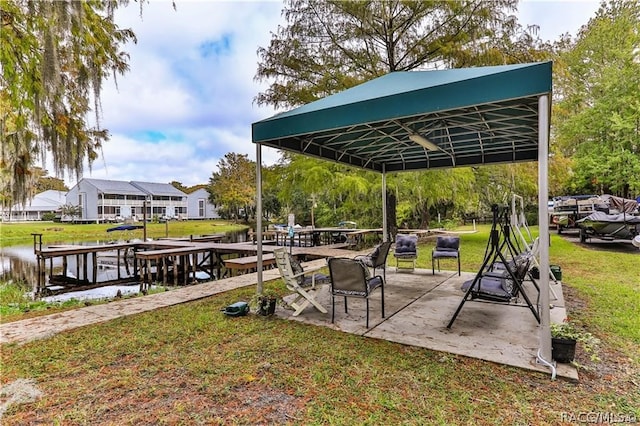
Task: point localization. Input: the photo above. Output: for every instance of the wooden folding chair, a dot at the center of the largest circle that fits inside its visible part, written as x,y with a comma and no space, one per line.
296,281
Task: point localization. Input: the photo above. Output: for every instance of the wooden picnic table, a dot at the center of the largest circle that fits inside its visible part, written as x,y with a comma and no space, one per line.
248,263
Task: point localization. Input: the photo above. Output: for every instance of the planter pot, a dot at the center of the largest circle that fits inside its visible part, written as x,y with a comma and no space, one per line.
563,350
267,306
556,270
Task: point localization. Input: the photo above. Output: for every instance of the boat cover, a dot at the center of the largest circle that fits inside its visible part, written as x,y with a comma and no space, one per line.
620,204
610,218
125,228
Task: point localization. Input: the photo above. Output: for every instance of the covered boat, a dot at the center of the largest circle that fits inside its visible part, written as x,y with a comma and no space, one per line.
605,226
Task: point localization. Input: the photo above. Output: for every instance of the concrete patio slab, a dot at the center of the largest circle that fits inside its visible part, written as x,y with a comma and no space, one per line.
418,307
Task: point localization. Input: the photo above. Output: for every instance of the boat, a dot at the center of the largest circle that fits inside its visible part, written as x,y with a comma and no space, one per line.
125,228
623,226
568,209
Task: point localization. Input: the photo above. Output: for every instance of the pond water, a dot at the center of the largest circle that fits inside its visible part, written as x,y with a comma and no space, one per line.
18,264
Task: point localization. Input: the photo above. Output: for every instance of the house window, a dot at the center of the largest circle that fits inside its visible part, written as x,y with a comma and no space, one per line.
201,207
109,210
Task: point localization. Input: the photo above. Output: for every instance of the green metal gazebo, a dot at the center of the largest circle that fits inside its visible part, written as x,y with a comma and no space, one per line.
419,120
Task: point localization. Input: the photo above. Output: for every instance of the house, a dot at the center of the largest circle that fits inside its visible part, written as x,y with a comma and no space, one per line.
111,200
167,201
199,206
45,202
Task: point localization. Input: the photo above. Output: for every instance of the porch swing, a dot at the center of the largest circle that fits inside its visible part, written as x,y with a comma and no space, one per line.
503,271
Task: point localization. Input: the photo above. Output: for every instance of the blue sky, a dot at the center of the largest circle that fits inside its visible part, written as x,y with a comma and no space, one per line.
188,97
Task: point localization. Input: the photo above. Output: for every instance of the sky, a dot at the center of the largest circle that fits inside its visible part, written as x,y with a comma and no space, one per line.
187,99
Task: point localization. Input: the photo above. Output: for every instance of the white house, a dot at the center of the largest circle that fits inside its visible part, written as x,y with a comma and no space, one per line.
166,200
112,200
45,202
199,206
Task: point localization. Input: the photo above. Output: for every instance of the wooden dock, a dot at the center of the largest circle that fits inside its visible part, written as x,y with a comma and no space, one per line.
86,265
165,262
315,237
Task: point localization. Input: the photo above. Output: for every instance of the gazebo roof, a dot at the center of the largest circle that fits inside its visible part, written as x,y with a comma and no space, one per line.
473,116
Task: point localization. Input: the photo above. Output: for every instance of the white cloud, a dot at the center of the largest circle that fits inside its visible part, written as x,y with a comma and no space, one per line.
556,17
188,98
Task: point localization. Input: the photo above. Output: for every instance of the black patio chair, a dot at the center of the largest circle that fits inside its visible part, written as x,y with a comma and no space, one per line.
350,278
377,258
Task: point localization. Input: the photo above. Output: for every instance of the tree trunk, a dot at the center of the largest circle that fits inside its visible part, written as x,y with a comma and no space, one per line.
392,226
424,217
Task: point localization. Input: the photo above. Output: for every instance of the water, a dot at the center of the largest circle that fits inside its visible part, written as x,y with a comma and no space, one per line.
18,263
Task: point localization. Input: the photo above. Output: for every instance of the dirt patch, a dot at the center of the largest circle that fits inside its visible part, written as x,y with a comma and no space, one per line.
19,391
263,405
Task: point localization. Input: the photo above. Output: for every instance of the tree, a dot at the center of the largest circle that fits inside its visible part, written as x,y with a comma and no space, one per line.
55,56
46,182
70,211
233,186
420,193
329,46
597,117
178,185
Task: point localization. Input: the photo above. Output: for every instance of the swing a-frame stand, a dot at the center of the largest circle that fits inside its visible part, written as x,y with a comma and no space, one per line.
499,279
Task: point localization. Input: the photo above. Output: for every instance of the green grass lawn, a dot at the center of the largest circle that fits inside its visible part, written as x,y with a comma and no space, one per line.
13,303
190,364
20,233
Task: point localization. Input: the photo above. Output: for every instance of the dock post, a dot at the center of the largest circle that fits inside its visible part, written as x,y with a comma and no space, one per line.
139,271
149,277
37,246
85,266
194,257
176,268
95,268
165,270
118,262
211,265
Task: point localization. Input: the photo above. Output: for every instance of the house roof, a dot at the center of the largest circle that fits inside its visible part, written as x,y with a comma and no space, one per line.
114,186
200,192
474,116
49,200
106,186
162,189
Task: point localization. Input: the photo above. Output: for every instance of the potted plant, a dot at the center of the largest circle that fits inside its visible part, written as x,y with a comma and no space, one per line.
266,303
564,337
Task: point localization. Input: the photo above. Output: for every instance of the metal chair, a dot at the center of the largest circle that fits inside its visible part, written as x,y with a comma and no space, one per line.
377,258
406,250
350,278
446,248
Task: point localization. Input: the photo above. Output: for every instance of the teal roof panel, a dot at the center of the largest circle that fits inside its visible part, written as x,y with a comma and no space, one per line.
474,115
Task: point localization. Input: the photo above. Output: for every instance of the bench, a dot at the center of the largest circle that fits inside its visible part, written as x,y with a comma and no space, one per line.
248,263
